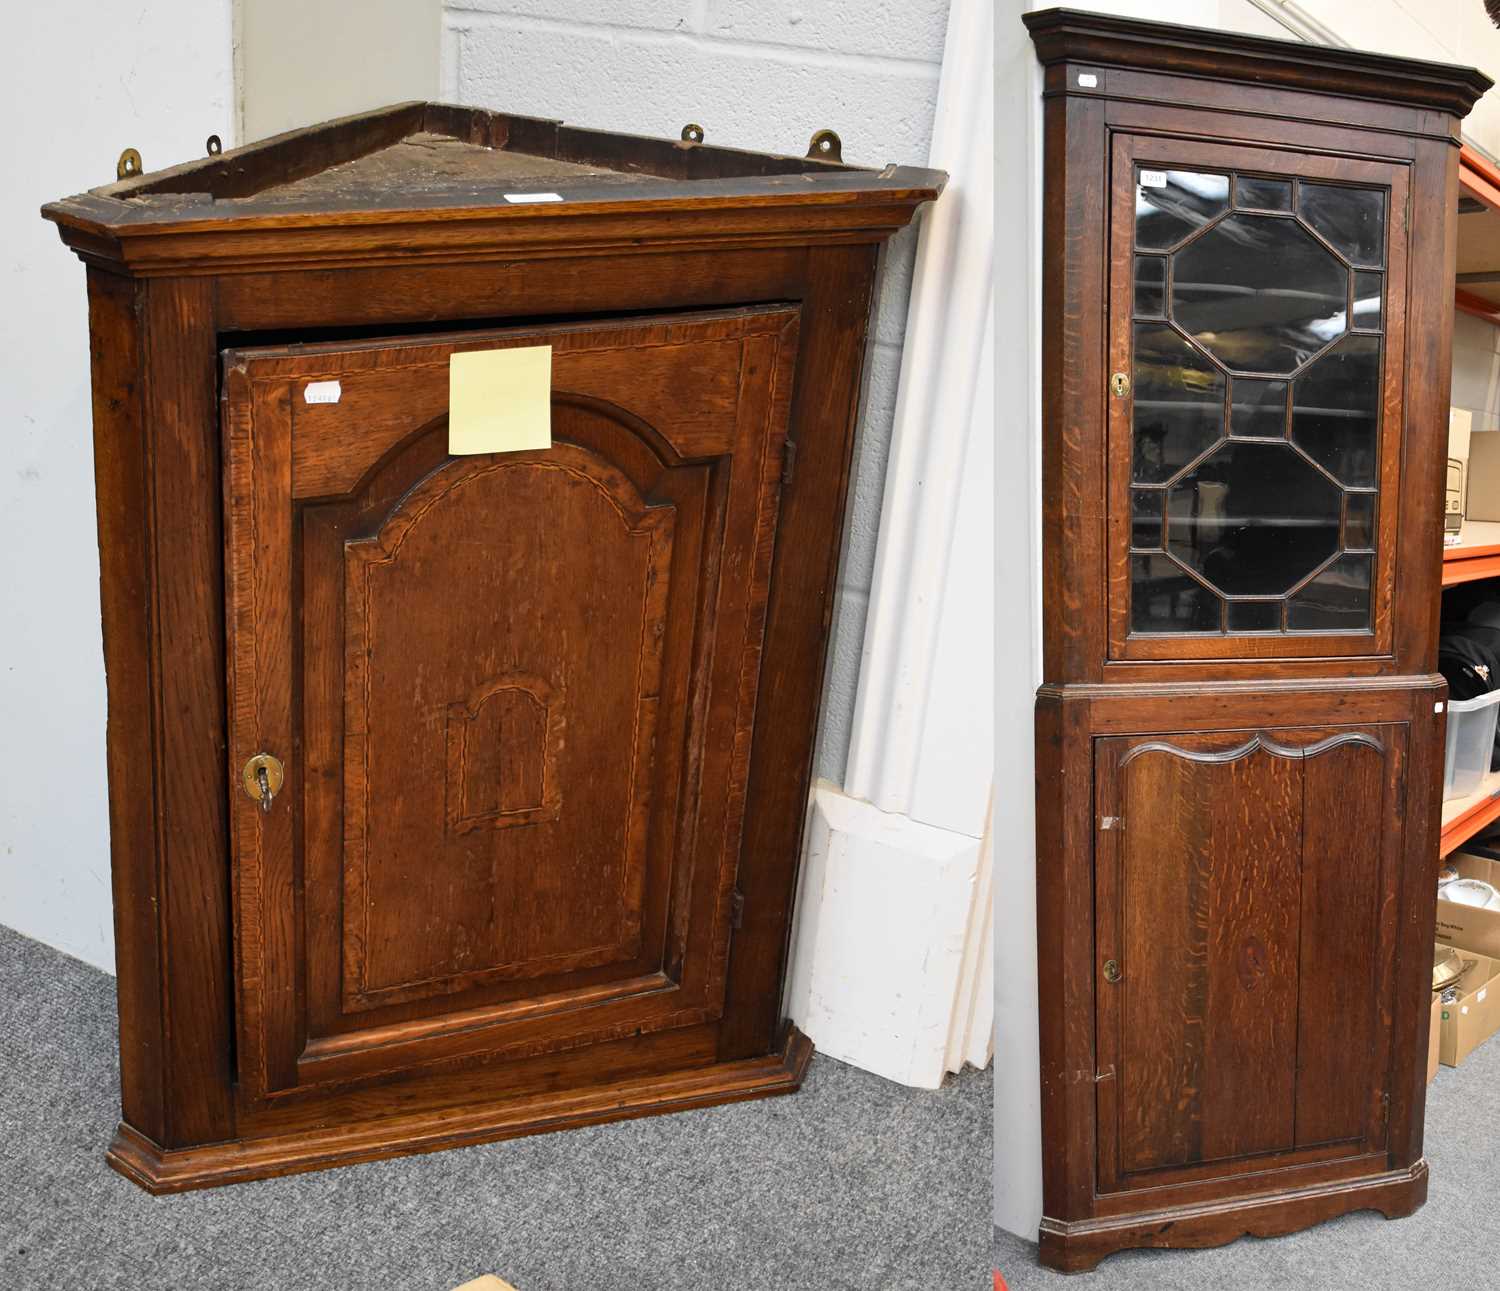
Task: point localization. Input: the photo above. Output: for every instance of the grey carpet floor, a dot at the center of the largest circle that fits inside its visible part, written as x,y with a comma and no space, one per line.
853,1183
1452,1242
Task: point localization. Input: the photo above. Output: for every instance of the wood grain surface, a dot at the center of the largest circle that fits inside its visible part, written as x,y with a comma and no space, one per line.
1236,833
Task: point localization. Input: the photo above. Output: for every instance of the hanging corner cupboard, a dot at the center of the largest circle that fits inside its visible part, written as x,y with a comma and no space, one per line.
455,797
1247,318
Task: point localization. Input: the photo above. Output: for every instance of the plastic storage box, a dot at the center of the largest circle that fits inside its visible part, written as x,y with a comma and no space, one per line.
1471,744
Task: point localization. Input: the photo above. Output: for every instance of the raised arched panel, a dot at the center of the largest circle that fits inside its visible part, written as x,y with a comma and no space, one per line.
495,567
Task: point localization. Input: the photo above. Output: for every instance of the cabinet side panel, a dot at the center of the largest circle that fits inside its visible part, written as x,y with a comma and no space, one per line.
1429,371
1066,952
124,581
187,698
825,405
1419,802
1074,302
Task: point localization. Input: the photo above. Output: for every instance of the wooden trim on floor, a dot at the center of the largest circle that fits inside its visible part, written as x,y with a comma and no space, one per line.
160,1170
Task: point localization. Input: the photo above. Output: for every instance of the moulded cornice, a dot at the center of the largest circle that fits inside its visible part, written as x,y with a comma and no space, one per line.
1070,35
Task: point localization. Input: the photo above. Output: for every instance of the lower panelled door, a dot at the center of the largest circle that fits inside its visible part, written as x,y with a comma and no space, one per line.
1246,929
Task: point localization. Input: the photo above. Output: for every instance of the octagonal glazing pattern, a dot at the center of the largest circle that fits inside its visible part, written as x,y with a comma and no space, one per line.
1260,293
1257,354
1253,519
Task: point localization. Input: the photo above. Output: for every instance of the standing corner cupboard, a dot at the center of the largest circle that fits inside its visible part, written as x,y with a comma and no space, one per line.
1247,317
459,797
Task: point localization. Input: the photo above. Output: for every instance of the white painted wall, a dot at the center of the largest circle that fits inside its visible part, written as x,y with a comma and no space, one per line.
761,74
885,958
81,84
1443,30
1476,370
298,62
1446,31
1018,643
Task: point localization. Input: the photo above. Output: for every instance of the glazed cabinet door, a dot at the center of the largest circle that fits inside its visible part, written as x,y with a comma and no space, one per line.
1246,919
1256,333
511,694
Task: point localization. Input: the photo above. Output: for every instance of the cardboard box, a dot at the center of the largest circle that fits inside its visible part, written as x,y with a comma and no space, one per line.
1460,425
1475,1015
1460,432
1465,926
1434,1037
1482,477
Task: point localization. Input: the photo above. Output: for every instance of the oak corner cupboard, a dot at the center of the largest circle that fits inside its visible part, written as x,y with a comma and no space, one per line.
454,797
1247,317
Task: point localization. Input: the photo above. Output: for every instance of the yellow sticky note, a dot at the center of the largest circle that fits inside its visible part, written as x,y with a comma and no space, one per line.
500,401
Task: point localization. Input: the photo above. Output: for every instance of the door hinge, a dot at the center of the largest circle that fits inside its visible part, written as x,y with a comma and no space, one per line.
788,460
736,908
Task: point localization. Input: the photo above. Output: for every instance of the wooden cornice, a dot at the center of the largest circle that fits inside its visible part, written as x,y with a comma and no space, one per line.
1068,35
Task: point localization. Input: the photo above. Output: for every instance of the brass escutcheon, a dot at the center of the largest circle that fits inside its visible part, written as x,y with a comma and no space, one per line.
262,779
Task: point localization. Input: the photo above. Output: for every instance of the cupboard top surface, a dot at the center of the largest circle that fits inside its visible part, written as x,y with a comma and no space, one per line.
463,162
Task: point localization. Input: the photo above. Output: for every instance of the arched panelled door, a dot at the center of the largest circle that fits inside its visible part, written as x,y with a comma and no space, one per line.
516,689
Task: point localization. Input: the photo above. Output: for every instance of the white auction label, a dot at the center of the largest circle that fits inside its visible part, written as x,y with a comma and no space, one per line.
322,392
1153,179
521,198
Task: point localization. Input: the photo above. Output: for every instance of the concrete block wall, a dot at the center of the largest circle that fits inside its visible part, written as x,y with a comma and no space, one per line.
761,74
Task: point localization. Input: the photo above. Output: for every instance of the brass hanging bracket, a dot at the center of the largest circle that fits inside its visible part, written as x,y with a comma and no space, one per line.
825,145
215,145
692,133
129,165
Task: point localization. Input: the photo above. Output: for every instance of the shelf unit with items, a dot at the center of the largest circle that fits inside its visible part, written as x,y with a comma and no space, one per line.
1471,552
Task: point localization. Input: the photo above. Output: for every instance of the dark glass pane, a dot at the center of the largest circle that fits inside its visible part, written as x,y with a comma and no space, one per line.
1170,204
1263,194
1352,219
1146,518
1254,616
1178,404
1339,597
1150,285
1260,293
1164,599
1367,295
1336,410
1253,519
1257,408
1359,520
